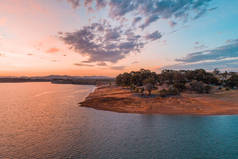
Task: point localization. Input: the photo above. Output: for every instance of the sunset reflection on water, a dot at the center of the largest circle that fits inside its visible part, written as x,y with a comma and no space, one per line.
32,116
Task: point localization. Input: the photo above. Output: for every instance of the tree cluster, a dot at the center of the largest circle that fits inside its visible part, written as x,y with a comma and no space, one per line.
198,80
137,78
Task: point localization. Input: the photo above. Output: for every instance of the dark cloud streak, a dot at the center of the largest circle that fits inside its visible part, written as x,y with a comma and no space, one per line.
117,67
148,21
224,58
231,65
153,36
227,51
83,65
136,20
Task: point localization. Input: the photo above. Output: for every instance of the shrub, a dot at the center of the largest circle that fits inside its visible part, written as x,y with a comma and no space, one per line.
233,81
207,89
142,90
169,92
163,93
173,91
132,87
180,86
199,87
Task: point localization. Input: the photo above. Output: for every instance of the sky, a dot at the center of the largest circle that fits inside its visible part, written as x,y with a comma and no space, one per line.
108,37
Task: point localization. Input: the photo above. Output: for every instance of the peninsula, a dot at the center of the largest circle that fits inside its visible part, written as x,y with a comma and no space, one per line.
179,95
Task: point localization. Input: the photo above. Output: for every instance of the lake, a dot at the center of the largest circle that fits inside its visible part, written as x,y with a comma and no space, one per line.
44,120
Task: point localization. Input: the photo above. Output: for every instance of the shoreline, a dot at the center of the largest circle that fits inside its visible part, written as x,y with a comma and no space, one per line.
121,100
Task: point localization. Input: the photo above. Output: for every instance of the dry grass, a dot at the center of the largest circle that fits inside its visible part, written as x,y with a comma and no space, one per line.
122,100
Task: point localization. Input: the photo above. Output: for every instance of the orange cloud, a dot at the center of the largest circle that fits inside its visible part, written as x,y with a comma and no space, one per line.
52,50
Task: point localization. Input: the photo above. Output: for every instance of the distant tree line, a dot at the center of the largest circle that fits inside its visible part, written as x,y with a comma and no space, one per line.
83,81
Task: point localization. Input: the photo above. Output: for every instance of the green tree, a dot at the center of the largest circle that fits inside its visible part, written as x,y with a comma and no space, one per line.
232,81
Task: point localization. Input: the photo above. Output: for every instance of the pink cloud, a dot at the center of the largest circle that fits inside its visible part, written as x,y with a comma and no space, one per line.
52,50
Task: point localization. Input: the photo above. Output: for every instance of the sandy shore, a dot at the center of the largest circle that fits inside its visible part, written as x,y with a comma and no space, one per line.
122,100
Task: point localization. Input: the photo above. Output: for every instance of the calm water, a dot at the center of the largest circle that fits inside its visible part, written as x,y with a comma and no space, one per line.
42,120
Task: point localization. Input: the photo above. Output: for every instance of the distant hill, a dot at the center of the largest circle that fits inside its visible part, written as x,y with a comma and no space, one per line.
69,77
59,79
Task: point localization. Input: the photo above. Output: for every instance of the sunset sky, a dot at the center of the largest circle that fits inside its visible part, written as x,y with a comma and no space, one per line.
107,37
